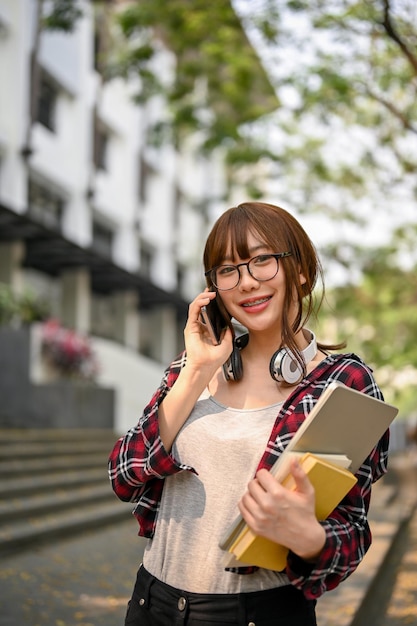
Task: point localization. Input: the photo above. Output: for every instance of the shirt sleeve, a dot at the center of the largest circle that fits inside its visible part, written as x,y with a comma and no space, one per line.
139,456
348,535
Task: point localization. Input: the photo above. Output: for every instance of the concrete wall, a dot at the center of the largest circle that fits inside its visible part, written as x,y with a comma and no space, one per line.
133,376
57,404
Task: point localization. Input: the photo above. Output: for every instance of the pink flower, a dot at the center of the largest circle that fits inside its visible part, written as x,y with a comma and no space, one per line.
68,351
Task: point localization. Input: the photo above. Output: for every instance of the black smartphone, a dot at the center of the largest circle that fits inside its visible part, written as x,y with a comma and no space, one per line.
214,320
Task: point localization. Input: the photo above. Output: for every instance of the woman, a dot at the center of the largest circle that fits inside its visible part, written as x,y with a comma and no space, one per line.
203,447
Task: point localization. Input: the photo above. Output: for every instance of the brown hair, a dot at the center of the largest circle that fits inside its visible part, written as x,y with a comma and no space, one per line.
282,233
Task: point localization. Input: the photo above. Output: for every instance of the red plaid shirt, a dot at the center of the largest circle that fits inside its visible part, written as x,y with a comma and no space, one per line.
139,463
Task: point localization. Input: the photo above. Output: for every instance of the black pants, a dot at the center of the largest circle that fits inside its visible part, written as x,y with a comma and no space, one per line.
154,603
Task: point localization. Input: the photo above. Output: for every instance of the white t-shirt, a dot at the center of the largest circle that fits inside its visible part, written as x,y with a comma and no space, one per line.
224,445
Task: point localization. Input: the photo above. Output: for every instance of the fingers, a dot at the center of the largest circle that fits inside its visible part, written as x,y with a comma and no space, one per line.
267,505
302,482
201,346
201,300
196,305
264,498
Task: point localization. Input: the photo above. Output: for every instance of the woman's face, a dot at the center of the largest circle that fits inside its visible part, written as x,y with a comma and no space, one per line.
257,305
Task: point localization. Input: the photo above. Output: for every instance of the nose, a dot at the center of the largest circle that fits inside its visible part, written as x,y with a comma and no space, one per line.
246,279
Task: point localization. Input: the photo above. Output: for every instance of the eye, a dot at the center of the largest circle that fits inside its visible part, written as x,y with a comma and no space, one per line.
224,270
262,259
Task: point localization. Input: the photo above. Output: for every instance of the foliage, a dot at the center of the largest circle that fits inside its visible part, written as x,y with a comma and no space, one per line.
345,68
377,317
217,83
21,309
61,15
68,352
216,68
8,305
354,77
350,66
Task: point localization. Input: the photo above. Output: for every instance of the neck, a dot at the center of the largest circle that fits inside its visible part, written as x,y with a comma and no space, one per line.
269,342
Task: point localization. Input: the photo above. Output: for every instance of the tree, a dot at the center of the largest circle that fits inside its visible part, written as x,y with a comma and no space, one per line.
339,137
219,84
377,316
354,77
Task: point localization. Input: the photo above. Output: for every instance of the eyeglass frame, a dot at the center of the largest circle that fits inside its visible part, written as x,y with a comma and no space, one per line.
276,255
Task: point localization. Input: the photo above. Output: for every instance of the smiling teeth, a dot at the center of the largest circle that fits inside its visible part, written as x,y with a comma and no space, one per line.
254,302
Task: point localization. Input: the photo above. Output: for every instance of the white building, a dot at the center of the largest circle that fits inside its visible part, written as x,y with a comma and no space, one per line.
108,228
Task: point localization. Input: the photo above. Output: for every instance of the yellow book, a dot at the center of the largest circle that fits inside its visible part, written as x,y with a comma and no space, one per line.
331,483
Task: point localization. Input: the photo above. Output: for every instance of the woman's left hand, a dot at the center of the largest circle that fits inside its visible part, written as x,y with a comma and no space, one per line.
284,516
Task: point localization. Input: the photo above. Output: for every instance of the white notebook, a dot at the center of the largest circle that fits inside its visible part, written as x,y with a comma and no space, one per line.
344,421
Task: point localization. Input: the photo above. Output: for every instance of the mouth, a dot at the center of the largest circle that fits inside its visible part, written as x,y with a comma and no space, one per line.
255,302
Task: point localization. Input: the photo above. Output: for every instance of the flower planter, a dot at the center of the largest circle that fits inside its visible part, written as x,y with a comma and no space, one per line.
35,396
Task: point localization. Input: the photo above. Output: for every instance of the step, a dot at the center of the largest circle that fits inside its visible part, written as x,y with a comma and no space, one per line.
34,450
60,499
29,485
35,530
54,483
16,467
17,435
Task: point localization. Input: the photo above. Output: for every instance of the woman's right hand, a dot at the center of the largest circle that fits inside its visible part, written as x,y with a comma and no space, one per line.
203,360
201,351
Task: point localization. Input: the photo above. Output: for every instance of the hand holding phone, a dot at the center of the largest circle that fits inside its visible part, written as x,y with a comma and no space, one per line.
210,327
213,320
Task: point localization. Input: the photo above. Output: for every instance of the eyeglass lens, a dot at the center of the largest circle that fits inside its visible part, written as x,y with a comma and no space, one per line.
262,267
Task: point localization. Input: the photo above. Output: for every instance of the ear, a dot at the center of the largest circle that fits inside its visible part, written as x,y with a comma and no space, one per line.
303,279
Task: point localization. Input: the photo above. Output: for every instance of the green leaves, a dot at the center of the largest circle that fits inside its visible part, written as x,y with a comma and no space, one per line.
21,308
218,83
61,15
377,316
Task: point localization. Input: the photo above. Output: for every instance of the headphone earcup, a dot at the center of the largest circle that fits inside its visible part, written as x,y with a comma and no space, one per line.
233,368
284,367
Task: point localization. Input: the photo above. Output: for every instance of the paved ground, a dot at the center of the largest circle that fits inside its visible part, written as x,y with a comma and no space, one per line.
401,609
87,580
84,581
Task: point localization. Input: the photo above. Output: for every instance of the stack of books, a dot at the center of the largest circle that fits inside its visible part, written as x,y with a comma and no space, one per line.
331,445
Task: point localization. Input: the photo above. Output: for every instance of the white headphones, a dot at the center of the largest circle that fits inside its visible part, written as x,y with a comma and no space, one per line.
284,366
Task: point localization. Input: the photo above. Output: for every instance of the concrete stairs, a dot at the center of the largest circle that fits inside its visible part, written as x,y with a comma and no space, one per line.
54,483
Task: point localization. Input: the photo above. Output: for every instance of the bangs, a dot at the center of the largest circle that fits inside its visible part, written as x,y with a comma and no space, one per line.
229,237
235,243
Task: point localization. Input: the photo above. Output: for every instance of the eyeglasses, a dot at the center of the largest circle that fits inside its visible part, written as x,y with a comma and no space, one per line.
262,267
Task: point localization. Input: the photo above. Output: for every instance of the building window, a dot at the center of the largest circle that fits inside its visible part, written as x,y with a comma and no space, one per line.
102,239
97,49
181,276
103,38
102,316
48,96
146,260
146,171
45,205
101,145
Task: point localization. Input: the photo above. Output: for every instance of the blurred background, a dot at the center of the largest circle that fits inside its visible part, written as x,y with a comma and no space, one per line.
126,128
